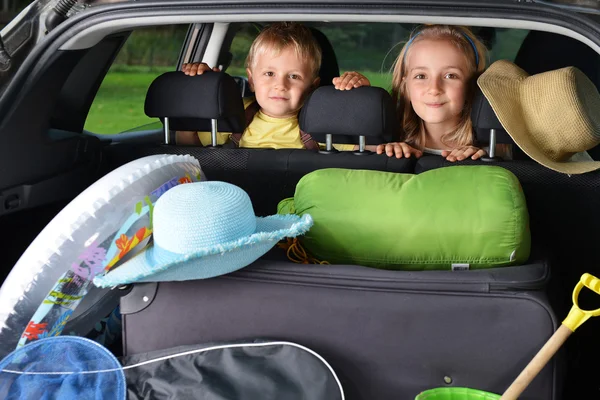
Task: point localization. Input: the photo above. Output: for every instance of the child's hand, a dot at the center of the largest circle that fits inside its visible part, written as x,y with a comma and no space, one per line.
462,153
197,68
350,80
399,149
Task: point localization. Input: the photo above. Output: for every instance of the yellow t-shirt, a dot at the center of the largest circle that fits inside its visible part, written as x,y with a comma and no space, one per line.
274,133
267,132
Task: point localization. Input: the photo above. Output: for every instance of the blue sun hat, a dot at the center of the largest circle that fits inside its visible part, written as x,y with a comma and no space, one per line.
62,367
202,230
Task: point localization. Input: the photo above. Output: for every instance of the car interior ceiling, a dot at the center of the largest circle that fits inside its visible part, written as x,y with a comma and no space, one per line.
69,83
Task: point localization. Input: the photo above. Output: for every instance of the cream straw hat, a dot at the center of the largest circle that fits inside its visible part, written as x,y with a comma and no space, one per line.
554,116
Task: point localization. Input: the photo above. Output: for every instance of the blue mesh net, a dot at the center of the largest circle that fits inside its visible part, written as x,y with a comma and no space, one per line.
62,367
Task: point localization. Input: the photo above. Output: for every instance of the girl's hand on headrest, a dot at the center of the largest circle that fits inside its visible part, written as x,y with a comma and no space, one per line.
350,80
398,149
197,68
462,153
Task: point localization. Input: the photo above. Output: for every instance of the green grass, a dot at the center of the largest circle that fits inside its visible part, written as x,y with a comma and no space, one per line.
379,79
119,104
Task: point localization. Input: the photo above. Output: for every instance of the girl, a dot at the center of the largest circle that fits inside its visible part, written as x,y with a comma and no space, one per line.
433,81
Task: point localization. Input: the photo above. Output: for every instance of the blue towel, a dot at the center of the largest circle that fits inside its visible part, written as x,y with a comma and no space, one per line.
61,367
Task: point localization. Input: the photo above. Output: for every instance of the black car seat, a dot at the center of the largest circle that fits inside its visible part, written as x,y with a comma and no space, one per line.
329,65
545,51
267,175
489,132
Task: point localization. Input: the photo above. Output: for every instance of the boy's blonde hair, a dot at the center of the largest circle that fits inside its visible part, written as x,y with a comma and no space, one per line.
276,37
463,39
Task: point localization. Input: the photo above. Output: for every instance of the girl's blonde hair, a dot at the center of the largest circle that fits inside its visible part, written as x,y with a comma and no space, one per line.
278,36
412,125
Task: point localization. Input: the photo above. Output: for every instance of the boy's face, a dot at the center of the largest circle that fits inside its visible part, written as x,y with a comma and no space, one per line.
281,82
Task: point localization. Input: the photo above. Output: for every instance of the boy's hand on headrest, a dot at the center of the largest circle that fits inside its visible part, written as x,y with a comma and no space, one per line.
197,68
350,80
399,150
462,153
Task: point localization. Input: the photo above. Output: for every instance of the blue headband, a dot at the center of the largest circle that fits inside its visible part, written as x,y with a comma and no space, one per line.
466,37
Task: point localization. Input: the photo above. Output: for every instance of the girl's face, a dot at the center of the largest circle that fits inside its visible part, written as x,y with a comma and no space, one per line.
437,83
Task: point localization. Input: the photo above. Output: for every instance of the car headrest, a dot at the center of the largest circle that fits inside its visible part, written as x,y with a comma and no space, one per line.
191,102
348,114
484,120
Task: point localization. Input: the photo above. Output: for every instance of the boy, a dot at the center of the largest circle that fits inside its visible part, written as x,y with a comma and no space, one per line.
282,66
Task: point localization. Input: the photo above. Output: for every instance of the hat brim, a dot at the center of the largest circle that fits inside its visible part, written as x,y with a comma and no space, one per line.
211,261
500,85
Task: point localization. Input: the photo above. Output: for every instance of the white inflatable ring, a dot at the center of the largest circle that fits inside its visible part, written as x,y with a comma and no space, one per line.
92,233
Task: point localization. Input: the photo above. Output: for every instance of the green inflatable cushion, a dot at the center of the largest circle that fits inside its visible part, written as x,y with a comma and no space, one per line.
461,217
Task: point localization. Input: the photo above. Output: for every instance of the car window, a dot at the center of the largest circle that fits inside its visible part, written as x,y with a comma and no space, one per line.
240,45
119,103
358,47
505,43
371,48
